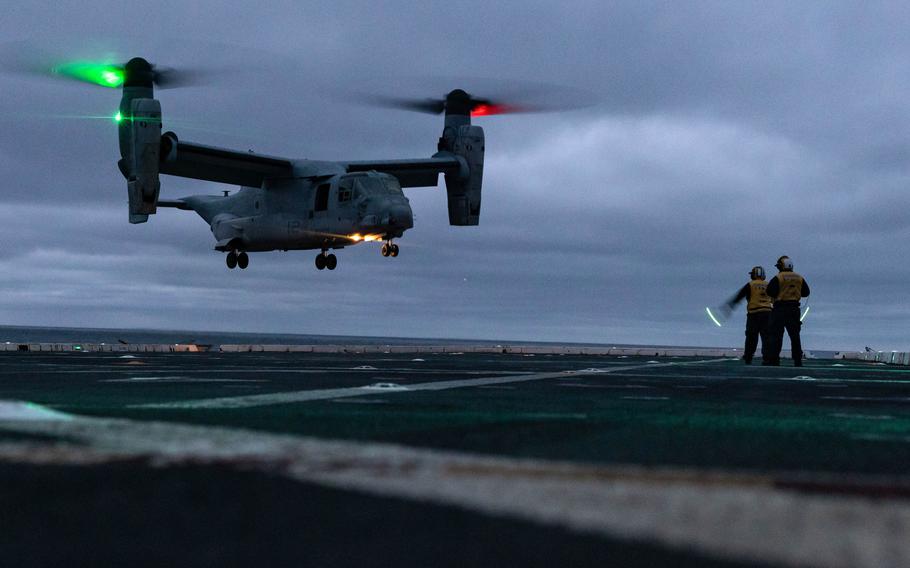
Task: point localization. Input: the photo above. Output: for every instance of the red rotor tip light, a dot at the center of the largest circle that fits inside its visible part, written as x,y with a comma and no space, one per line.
488,110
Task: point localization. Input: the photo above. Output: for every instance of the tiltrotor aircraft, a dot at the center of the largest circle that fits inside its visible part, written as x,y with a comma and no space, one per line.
283,203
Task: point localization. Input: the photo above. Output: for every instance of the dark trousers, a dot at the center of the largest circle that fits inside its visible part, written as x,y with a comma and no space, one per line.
756,325
785,317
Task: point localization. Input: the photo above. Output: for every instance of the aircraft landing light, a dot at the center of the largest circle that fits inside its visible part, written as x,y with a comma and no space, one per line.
357,237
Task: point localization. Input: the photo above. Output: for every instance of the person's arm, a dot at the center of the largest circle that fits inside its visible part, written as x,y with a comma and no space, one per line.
805,290
743,294
773,288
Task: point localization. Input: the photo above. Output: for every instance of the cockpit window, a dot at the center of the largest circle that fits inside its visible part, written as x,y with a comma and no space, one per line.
377,186
345,190
392,185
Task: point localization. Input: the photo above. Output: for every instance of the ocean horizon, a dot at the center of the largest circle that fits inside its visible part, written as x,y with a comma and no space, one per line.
44,334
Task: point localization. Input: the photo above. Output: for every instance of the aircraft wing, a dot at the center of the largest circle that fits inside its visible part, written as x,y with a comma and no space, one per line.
186,159
411,173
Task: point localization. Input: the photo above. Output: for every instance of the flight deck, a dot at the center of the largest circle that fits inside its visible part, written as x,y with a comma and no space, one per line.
452,458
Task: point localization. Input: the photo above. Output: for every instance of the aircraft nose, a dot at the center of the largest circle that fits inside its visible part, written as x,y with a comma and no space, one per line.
400,216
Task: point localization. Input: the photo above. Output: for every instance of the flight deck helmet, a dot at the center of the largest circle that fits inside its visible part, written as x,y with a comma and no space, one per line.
757,273
784,263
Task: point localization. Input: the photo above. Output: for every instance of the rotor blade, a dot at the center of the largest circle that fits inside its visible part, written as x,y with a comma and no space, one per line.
170,78
103,74
429,106
108,70
493,97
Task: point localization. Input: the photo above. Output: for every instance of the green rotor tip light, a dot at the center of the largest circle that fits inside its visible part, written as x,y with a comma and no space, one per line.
104,74
118,117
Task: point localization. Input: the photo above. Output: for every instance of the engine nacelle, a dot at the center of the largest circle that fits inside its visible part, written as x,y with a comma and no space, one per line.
464,189
141,150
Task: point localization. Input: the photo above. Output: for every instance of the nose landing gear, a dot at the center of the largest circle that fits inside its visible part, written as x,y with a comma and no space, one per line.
235,260
324,261
389,249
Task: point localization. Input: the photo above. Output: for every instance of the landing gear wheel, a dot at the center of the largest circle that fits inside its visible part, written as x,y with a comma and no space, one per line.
393,250
231,260
385,250
331,262
243,260
320,261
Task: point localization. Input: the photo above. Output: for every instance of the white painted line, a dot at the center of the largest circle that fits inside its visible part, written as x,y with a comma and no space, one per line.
178,379
246,370
602,386
386,387
16,410
324,394
733,516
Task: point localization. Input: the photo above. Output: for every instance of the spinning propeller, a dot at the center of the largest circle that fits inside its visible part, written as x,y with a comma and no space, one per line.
526,98
456,102
114,75
25,58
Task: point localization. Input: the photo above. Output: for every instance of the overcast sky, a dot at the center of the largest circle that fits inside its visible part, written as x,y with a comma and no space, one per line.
726,134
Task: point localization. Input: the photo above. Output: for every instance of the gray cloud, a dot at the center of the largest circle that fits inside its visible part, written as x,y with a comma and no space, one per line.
726,134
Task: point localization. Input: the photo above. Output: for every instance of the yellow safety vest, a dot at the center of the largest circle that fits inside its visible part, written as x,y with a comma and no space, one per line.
759,301
791,286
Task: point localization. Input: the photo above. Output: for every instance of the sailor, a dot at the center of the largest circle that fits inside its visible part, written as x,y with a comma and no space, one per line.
785,290
758,310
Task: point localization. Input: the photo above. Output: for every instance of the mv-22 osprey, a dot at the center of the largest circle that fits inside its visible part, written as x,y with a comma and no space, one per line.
290,204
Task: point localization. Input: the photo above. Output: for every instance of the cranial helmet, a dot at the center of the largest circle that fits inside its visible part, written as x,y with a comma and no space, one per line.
784,263
757,273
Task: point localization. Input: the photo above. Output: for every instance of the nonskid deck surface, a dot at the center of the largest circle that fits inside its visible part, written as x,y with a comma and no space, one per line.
649,461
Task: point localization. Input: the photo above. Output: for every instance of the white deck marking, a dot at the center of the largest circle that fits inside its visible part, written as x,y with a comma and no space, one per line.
16,410
177,379
324,394
731,515
256,370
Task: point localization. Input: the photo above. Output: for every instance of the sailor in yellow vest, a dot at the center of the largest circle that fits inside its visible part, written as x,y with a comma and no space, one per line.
758,310
785,289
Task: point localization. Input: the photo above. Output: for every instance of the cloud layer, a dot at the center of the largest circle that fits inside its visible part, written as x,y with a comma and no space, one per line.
725,136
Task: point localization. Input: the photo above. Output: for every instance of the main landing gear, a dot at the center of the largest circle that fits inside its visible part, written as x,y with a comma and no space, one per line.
235,260
389,249
324,260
